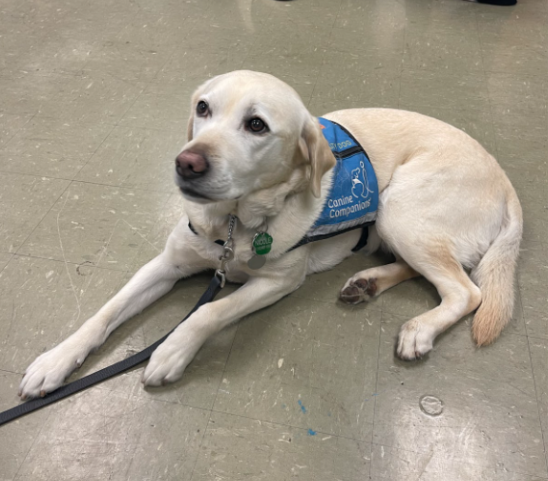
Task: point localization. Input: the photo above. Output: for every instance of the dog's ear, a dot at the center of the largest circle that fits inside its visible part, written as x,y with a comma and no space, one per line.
315,149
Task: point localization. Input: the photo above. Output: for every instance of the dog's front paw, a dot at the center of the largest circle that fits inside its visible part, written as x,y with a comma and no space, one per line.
414,341
50,369
169,360
358,289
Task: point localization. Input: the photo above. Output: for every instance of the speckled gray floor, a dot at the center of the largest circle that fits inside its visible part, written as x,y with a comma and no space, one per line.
93,105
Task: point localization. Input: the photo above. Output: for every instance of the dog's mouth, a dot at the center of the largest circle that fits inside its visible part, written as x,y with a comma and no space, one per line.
200,198
190,192
194,192
194,195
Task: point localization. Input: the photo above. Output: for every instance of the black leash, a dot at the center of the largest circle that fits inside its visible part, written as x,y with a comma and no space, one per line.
216,284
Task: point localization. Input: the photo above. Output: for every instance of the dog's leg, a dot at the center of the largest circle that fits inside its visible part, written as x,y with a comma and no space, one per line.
50,369
459,295
370,283
170,359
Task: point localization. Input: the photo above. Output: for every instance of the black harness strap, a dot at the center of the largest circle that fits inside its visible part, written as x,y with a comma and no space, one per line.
362,241
107,372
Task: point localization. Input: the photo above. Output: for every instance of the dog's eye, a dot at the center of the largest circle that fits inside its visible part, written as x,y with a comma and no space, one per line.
202,108
256,125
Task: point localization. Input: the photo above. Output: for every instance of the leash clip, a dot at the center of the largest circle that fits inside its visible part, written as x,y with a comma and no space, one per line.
228,255
222,277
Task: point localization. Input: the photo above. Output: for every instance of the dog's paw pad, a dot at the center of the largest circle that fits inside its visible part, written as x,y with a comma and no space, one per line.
351,295
358,290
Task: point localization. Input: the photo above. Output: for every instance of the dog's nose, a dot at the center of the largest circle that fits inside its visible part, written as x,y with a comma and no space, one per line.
191,165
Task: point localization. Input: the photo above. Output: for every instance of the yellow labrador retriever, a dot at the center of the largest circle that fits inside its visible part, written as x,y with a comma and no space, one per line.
254,151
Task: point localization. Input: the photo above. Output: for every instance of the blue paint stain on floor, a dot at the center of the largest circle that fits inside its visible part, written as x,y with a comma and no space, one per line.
303,409
311,432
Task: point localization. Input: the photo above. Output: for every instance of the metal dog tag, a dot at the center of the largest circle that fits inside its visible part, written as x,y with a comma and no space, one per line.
256,262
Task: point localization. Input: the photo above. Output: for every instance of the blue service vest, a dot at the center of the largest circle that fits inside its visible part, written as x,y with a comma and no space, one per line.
353,198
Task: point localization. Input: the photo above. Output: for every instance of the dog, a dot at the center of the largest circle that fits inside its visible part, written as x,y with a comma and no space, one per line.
254,151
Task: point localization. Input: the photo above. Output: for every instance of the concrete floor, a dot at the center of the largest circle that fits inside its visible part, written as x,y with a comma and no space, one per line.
93,107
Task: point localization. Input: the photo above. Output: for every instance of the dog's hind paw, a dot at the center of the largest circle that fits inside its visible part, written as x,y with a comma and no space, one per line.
414,341
358,290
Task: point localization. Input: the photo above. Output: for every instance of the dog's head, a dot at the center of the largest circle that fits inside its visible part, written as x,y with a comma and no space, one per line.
248,131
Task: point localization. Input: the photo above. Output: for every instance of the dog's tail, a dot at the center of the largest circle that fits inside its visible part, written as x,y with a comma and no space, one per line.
495,276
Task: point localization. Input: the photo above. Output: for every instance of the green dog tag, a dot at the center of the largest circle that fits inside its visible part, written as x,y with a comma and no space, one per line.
262,243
